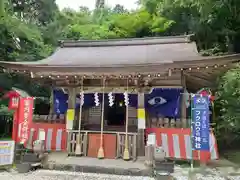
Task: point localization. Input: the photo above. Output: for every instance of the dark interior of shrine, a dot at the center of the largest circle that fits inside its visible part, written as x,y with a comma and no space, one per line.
116,114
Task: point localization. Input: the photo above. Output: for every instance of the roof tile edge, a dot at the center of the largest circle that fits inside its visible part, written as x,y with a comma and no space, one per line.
127,42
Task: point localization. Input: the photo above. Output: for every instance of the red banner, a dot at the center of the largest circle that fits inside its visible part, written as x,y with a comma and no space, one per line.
25,115
15,125
13,102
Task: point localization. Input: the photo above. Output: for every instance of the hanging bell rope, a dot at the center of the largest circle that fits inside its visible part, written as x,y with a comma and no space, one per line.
101,150
78,150
126,154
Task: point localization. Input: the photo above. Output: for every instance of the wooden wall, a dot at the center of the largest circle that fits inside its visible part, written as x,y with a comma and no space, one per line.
93,116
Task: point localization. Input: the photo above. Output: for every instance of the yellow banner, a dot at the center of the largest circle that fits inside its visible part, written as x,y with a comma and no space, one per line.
70,114
141,113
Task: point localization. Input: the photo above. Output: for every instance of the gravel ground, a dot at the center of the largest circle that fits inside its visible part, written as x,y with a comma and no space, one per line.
63,175
180,174
207,174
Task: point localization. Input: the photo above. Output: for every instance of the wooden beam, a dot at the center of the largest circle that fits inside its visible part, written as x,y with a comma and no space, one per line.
200,79
201,75
157,82
203,82
132,89
192,86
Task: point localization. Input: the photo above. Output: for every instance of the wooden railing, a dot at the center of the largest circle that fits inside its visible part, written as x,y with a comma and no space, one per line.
132,145
52,118
172,123
120,146
168,122
72,142
151,122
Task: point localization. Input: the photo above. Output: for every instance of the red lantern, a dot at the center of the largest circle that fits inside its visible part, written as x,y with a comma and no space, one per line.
13,99
13,102
205,92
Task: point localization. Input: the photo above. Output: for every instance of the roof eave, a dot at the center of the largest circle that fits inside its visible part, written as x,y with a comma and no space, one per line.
205,61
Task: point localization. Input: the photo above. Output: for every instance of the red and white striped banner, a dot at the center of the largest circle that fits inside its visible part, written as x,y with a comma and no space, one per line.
176,143
55,135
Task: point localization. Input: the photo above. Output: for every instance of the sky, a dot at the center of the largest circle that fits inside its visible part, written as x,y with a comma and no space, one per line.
74,4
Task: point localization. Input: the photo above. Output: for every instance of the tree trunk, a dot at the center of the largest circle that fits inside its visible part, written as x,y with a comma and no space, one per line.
230,46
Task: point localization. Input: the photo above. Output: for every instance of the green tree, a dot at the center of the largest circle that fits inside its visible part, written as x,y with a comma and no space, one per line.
40,12
21,40
119,9
214,22
117,25
227,104
16,35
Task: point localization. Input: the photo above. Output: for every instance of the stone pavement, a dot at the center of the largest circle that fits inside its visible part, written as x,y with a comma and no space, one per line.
65,175
60,161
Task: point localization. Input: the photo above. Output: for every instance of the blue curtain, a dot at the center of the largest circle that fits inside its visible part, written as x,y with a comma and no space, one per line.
164,102
160,101
60,101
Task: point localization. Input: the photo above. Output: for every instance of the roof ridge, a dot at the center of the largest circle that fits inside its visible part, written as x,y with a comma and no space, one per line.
127,42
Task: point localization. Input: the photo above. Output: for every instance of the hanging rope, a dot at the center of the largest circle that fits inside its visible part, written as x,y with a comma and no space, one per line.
101,150
78,150
126,155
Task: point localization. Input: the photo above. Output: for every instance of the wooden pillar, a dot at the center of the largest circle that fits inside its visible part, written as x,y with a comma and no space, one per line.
71,98
72,103
141,124
51,109
126,155
183,102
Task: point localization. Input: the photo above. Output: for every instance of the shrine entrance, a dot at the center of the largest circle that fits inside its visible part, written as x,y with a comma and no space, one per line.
115,114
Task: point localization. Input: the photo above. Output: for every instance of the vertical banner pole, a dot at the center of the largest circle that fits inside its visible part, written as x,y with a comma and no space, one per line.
200,125
191,105
126,155
79,139
101,150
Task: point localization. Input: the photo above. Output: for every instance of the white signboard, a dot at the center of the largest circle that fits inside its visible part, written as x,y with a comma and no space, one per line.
6,152
141,124
151,140
41,135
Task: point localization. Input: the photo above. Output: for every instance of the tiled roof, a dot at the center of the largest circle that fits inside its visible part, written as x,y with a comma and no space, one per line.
122,55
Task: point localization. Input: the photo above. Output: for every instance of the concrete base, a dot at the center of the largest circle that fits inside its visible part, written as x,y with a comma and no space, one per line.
60,161
167,167
24,167
100,170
